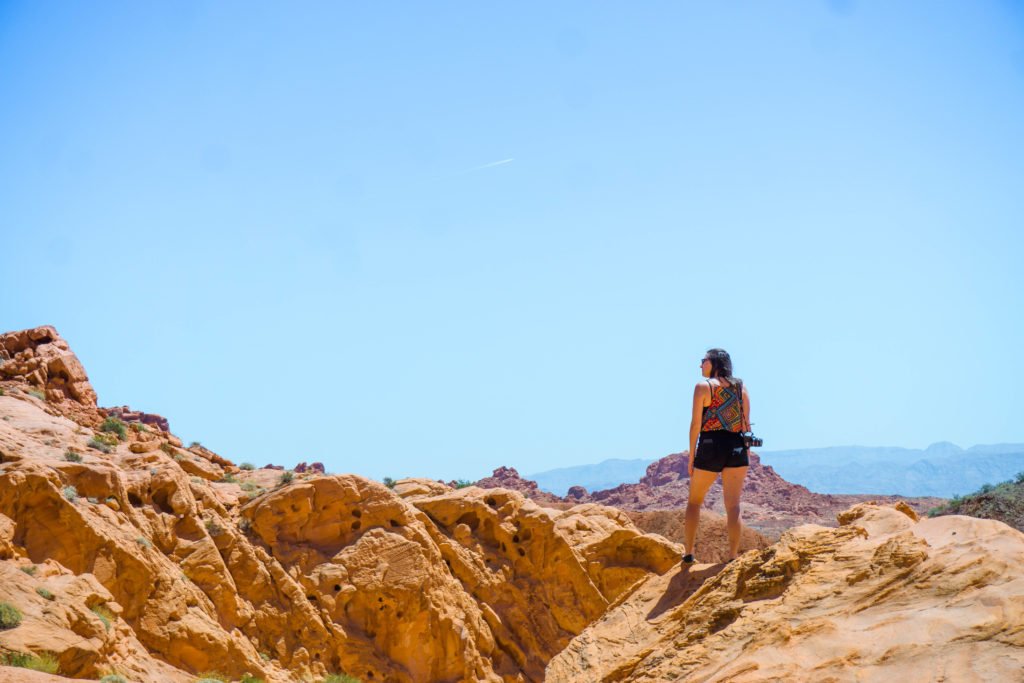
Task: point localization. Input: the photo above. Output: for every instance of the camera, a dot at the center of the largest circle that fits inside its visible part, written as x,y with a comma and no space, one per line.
749,440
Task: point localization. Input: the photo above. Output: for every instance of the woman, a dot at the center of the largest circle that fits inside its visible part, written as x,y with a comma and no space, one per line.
719,415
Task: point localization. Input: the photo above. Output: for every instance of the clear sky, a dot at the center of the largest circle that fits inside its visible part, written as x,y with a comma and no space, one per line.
435,238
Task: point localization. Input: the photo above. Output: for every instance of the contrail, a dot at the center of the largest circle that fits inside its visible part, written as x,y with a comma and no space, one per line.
493,163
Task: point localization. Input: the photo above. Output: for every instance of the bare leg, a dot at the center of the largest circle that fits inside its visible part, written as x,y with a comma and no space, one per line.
700,482
732,487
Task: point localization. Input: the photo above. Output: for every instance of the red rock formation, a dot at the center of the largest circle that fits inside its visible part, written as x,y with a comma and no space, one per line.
126,414
302,467
508,478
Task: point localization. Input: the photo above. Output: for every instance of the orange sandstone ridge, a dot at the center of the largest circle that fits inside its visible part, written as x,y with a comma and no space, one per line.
158,562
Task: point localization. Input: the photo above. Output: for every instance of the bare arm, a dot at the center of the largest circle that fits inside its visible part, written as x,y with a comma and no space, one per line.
699,392
746,409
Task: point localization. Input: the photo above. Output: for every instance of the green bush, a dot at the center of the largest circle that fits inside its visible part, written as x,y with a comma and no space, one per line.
10,616
228,478
2,392
43,593
71,493
287,477
113,678
44,662
105,615
462,483
247,678
38,394
169,449
99,445
341,678
249,487
195,444
30,569
986,488
1019,478
213,528
212,677
72,456
389,482
139,427
248,466
265,657
114,426
144,542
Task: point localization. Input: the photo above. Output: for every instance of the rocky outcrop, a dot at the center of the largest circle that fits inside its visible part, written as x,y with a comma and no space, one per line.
151,560
508,478
883,597
126,414
40,360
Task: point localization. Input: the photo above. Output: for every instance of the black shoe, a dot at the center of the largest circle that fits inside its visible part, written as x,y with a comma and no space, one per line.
689,559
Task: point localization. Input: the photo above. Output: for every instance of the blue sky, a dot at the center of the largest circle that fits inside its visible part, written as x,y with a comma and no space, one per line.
281,227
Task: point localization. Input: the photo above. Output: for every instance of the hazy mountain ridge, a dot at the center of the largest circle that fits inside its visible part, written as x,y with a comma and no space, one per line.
942,469
606,474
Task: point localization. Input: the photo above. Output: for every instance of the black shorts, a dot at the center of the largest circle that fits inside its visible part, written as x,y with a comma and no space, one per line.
719,449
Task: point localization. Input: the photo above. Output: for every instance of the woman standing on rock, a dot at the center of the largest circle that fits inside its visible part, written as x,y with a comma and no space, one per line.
721,411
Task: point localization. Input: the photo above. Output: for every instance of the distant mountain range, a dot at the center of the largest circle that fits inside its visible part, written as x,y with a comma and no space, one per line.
604,475
943,469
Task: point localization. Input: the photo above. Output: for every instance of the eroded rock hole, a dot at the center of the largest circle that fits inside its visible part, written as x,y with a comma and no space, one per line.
493,503
337,587
295,508
357,514
469,519
311,598
522,553
395,524
134,500
356,524
515,539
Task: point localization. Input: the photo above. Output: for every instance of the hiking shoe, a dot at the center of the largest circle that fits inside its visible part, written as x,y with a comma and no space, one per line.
689,559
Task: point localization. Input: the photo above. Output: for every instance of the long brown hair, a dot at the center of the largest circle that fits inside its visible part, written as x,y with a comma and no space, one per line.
721,365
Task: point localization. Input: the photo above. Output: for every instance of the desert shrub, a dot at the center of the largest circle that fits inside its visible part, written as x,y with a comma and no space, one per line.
144,542
113,678
213,528
462,483
93,499
248,466
10,616
2,392
389,482
30,569
247,678
1019,478
114,426
72,456
100,446
44,662
287,477
212,677
265,657
38,394
168,449
43,593
195,444
71,493
340,678
986,488
197,480
249,487
139,427
228,478
105,615
245,525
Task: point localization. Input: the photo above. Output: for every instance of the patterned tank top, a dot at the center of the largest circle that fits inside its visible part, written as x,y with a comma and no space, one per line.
725,409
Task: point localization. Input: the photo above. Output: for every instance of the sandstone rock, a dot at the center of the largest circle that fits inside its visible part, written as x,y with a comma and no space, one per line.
883,597
302,467
41,358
